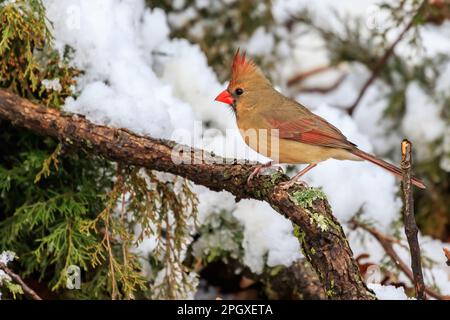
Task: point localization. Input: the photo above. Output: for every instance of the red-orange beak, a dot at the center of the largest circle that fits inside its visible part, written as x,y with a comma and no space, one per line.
225,97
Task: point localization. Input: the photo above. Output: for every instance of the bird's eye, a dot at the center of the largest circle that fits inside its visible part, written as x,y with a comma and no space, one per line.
239,91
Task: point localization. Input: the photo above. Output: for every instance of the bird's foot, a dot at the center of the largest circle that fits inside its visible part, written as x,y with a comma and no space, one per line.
288,184
259,170
296,179
254,173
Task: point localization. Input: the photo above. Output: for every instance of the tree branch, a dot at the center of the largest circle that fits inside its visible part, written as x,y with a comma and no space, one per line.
325,247
304,75
298,281
411,229
325,89
16,278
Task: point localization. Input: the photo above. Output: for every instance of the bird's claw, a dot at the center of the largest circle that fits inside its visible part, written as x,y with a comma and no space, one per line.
254,173
263,167
288,184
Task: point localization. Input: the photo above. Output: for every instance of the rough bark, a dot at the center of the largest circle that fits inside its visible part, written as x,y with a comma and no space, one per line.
297,282
322,238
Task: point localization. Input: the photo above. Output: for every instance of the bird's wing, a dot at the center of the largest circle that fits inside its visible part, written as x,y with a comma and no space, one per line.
296,122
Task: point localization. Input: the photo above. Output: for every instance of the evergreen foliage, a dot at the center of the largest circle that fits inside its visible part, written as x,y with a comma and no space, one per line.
61,207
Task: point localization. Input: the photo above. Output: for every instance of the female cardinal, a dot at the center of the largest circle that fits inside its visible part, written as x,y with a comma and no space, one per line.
302,136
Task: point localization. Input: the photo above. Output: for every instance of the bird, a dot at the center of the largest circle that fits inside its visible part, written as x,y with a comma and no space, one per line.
302,137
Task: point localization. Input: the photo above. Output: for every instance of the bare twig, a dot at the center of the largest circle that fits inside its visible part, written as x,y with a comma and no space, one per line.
411,229
16,278
325,89
304,75
384,59
387,242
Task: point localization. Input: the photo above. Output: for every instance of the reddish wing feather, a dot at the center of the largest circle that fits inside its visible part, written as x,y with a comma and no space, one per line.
312,130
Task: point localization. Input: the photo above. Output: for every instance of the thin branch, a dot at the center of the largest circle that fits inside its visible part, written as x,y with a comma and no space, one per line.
387,242
332,259
304,75
326,89
16,278
411,229
384,59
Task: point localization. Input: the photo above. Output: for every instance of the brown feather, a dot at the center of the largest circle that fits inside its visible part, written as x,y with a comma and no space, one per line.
296,122
386,165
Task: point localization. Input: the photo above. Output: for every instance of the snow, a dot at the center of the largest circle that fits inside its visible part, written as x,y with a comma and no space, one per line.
211,202
266,235
388,292
137,77
260,43
53,84
285,9
421,109
186,64
178,19
153,37
377,127
120,87
5,258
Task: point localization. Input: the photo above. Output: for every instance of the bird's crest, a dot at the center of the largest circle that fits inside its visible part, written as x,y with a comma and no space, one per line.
241,66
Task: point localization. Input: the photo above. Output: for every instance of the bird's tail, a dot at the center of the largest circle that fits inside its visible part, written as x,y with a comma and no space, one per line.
390,167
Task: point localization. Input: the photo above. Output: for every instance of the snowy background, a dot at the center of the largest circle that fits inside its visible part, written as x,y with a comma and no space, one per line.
139,78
